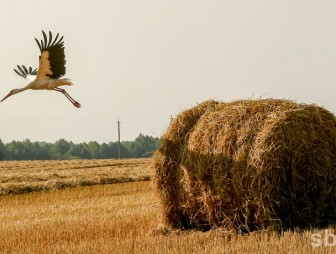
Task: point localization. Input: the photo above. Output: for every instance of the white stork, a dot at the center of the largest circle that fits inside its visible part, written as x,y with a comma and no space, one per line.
50,71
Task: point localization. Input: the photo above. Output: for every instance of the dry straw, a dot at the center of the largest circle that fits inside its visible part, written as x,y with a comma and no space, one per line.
248,165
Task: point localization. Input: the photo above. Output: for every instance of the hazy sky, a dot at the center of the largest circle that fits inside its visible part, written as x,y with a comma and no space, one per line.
145,61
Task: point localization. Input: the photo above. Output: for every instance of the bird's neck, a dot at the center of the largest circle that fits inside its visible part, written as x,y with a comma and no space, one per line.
28,86
22,89
19,90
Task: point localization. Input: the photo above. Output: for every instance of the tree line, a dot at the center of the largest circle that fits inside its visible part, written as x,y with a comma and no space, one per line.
142,147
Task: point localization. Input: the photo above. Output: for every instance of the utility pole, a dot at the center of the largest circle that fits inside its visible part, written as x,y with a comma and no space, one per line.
118,138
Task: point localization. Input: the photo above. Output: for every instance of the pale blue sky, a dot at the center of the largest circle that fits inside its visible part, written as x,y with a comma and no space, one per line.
145,61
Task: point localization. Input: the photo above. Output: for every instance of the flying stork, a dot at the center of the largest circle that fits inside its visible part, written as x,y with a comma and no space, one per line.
50,71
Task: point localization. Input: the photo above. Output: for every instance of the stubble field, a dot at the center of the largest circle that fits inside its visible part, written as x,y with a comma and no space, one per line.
122,217
17,177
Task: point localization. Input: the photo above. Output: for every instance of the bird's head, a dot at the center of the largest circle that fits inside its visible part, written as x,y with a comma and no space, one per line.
12,92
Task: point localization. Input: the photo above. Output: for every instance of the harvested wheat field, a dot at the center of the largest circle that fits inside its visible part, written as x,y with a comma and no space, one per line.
26,176
248,165
123,218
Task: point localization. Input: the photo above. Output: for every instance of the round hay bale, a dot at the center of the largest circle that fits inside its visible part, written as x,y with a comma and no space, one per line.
248,165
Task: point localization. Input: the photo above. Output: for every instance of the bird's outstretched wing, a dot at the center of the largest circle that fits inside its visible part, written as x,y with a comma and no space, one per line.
52,58
22,71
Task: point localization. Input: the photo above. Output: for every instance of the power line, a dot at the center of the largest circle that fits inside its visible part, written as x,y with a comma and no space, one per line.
21,121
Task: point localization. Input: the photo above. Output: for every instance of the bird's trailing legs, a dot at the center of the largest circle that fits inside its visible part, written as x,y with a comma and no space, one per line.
75,103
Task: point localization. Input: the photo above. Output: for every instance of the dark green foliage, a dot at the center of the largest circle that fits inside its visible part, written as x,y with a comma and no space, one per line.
2,150
143,146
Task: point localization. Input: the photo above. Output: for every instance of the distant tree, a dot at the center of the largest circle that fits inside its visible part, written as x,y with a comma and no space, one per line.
73,152
142,146
2,150
19,150
84,152
124,152
93,148
28,150
45,150
60,149
104,151
113,149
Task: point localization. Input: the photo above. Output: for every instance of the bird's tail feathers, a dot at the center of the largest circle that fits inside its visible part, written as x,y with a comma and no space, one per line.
66,82
59,82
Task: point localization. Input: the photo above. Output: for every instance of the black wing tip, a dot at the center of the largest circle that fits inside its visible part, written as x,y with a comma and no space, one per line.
49,42
18,73
22,71
39,45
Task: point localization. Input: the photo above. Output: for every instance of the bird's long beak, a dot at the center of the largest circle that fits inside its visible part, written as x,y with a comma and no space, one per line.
6,97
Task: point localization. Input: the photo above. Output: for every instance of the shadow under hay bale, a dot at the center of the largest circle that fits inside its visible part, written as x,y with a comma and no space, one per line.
248,165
